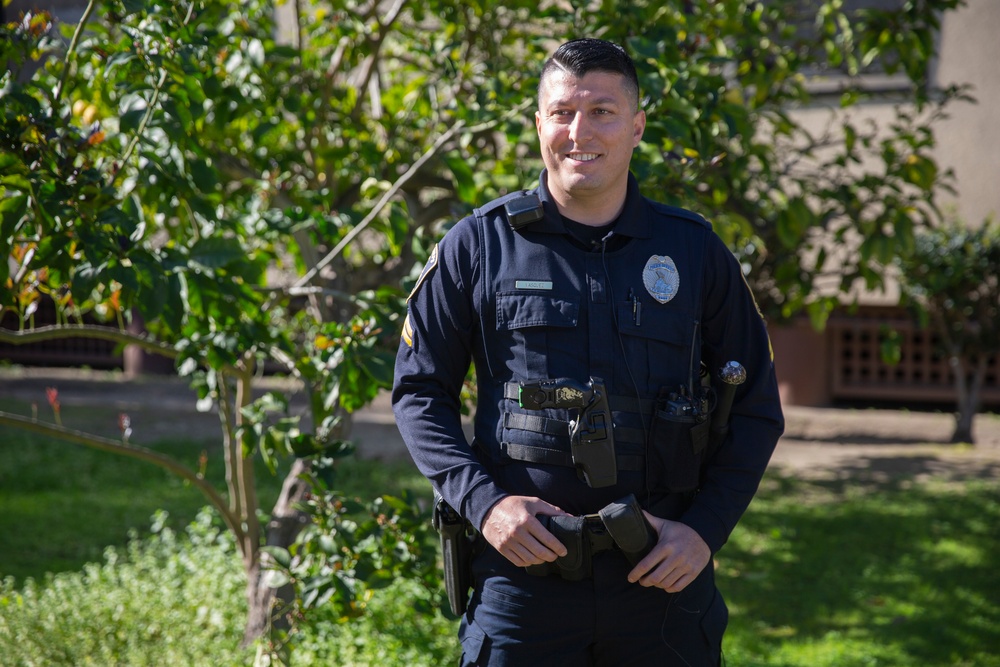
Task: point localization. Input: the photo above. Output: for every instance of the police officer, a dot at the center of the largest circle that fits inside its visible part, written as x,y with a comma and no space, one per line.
577,290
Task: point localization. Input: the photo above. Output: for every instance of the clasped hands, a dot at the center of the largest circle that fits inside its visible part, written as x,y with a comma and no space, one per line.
679,556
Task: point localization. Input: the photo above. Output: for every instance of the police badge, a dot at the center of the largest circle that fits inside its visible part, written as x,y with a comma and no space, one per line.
661,278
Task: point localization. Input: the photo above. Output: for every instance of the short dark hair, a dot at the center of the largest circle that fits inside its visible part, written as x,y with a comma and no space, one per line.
581,56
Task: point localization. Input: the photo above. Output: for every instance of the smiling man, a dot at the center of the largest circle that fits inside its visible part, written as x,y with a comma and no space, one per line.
587,127
627,405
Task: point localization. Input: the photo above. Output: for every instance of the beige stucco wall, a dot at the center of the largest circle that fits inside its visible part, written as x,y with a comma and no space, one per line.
969,142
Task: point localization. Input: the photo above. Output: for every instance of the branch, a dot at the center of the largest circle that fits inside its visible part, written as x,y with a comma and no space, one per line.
71,51
61,331
351,235
151,106
398,185
133,451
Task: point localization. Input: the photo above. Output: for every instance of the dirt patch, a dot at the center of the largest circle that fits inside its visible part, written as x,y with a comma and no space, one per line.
879,445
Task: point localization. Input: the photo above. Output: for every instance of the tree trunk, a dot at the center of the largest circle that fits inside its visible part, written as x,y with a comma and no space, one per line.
266,605
969,386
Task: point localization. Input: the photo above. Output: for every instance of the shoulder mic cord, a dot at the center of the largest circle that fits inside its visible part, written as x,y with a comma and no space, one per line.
628,366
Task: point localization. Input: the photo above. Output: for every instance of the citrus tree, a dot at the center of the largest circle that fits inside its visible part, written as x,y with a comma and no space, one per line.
260,194
950,280
250,200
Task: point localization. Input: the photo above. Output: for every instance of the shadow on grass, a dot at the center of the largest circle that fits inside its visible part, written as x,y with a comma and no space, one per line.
869,565
880,474
862,438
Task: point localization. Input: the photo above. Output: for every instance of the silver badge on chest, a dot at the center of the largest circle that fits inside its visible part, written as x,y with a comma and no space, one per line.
661,278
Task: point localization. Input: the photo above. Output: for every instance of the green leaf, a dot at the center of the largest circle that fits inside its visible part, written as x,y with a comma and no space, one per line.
464,180
16,181
920,171
125,276
12,210
133,6
117,59
217,252
793,222
379,579
129,121
10,163
819,312
85,280
276,579
280,555
203,175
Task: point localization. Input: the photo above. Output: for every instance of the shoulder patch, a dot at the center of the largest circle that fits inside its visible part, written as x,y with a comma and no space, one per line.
428,269
760,313
408,331
683,213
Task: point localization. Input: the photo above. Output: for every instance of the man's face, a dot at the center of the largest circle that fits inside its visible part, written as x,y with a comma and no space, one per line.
587,129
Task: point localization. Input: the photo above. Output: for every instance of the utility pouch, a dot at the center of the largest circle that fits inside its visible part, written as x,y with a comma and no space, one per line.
576,564
679,438
629,528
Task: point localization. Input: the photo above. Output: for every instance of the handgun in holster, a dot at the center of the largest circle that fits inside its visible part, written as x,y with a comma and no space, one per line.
591,431
457,541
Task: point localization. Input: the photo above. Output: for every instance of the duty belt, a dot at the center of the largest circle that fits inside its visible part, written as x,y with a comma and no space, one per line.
512,391
560,427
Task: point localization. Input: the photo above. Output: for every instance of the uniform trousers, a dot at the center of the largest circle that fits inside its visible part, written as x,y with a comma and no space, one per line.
516,619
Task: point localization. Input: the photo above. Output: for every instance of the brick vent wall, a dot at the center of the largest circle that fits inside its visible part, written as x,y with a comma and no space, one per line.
922,374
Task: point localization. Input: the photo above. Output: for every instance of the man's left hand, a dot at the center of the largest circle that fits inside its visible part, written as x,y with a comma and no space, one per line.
678,557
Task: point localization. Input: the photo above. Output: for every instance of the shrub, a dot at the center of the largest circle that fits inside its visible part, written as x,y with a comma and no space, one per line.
167,600
397,630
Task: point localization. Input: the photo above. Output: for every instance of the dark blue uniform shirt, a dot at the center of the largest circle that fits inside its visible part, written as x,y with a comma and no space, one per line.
642,309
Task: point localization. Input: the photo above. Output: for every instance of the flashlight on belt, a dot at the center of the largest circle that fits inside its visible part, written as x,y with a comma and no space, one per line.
731,376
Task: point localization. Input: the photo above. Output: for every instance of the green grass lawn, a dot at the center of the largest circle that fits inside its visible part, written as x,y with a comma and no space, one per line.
61,504
843,573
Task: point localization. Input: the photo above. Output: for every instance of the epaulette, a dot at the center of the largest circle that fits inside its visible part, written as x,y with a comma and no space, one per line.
522,208
678,212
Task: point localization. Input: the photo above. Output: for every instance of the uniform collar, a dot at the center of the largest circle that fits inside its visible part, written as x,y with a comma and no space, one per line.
633,221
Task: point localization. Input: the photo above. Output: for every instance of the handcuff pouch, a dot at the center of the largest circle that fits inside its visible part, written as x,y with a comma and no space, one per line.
629,528
576,564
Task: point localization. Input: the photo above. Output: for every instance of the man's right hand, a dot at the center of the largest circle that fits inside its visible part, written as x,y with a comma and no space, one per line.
511,527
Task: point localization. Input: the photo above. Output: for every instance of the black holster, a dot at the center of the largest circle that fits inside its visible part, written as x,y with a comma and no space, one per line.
629,528
457,541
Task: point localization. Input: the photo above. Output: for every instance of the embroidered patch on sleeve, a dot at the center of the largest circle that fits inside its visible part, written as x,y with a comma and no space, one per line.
408,331
428,269
760,313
